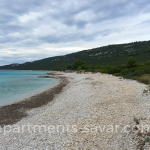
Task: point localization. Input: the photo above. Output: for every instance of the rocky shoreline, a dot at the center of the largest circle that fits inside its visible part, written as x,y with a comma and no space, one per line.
12,113
92,112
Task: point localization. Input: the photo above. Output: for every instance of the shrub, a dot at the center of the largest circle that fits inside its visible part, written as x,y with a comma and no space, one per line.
125,71
147,70
69,67
114,70
147,63
83,67
77,64
145,79
131,63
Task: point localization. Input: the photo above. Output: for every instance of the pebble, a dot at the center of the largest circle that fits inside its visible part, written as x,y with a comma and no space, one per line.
84,104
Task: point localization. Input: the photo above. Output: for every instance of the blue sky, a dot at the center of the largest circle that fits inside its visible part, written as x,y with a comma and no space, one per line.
36,29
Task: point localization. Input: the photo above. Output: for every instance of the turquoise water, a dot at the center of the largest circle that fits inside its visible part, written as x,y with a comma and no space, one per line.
18,85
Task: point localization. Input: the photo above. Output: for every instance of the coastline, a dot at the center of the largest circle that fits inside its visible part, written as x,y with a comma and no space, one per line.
93,104
14,112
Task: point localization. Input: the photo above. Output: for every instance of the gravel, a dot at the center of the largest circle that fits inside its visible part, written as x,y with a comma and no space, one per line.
93,109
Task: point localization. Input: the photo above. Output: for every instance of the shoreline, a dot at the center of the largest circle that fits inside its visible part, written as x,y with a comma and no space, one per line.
14,112
84,115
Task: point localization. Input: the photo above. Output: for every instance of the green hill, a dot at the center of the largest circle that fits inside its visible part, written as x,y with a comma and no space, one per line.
107,55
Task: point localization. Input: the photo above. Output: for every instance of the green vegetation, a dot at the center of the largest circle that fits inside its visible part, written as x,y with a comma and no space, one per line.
131,63
131,69
130,60
111,55
77,65
80,65
145,79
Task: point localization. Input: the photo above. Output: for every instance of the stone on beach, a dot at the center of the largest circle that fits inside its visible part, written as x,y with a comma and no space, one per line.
85,106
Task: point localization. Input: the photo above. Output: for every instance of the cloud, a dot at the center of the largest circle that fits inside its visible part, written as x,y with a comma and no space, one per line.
35,29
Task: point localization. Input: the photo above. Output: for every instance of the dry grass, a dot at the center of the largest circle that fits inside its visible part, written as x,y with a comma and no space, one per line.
145,79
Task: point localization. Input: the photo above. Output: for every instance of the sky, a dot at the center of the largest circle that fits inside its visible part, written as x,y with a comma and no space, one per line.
36,29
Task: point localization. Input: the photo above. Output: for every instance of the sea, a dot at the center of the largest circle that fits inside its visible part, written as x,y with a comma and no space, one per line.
18,85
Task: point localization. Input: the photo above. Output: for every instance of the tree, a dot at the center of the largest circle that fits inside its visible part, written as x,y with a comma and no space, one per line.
69,67
83,67
131,63
78,63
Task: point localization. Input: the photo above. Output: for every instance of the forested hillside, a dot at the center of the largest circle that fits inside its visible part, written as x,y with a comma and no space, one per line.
106,55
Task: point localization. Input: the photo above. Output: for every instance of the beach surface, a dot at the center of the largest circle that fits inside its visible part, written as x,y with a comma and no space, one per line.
83,111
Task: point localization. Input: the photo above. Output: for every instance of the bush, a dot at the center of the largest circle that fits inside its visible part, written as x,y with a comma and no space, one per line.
78,63
83,67
147,63
115,70
147,70
125,71
145,79
69,67
131,63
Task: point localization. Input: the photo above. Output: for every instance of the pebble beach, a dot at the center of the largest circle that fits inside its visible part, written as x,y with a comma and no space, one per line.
82,111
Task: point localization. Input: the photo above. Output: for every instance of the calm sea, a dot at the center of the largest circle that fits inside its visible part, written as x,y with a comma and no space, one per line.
17,85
